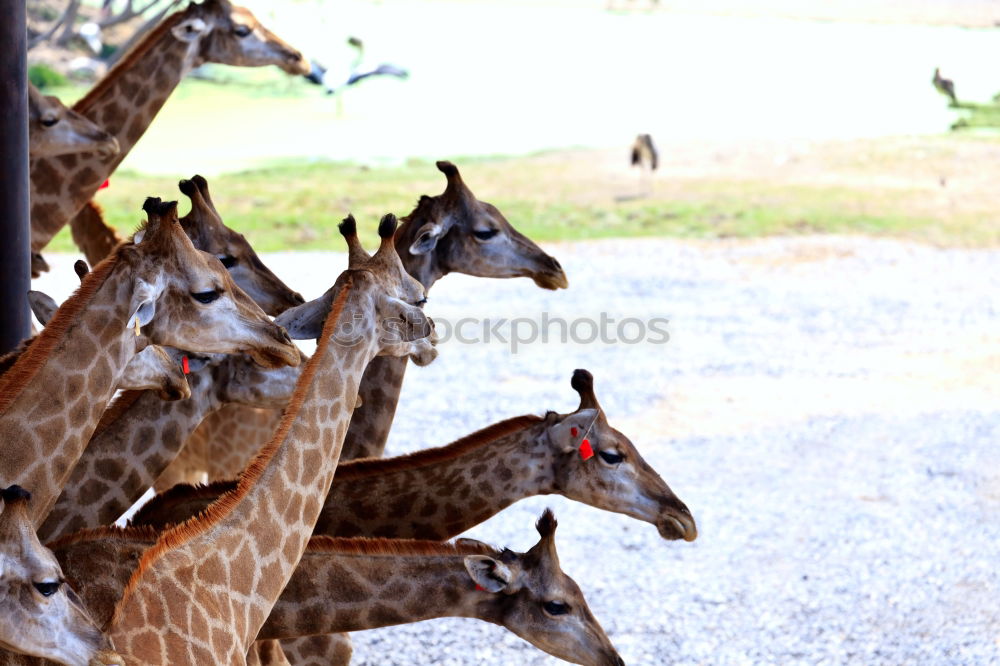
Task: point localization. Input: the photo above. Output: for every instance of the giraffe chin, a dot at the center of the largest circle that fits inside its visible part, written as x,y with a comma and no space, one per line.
673,528
551,281
275,357
106,658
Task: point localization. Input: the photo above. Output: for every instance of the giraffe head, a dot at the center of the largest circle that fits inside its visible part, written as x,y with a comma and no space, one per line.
456,232
231,35
151,368
614,476
185,298
154,369
208,233
39,614
389,301
529,594
236,378
54,129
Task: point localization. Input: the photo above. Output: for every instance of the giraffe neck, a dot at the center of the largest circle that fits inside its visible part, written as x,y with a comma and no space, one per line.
339,587
380,387
124,103
434,494
439,493
246,545
52,399
383,379
137,438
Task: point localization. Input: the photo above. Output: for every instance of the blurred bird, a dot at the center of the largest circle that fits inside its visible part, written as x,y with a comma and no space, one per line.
646,157
644,152
320,75
91,34
944,86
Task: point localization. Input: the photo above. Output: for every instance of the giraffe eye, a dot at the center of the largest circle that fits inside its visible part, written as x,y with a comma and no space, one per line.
47,588
555,607
228,260
485,234
205,297
49,121
242,30
611,457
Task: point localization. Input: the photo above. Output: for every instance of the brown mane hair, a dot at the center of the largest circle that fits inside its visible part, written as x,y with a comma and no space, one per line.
177,535
136,52
488,435
140,533
376,546
37,353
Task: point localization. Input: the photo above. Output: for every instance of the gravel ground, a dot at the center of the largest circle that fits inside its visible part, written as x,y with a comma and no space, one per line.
827,407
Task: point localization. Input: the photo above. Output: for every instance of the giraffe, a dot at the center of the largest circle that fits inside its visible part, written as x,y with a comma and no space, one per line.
440,493
359,583
344,585
125,101
205,228
452,232
54,129
39,614
52,397
140,433
202,591
151,368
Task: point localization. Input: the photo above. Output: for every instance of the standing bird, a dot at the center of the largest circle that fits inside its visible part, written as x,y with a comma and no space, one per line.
944,86
332,81
644,155
644,152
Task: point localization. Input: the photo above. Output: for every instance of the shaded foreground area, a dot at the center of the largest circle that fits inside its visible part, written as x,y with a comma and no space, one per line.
939,190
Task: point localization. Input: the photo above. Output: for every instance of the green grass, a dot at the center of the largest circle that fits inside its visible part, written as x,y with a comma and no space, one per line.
297,206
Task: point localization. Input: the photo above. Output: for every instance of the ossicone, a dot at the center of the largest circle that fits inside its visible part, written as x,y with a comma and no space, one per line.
14,494
387,226
546,524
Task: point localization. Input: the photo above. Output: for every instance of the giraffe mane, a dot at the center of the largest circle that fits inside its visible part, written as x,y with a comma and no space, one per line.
111,78
379,546
8,360
115,410
137,533
176,536
17,378
488,435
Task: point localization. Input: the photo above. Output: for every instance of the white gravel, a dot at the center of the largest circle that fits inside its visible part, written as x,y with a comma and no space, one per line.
829,409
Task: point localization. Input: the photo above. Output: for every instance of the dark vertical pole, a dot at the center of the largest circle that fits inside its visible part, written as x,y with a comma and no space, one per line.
15,279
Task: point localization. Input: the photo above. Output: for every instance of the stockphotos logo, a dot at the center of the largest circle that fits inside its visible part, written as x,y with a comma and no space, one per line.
519,332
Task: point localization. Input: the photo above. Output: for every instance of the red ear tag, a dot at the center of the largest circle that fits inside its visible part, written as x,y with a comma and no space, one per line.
184,365
586,452
480,588
105,184
573,431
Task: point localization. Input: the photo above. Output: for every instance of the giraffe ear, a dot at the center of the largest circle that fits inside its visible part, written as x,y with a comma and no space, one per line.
189,30
43,305
143,304
489,574
567,434
427,238
305,322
